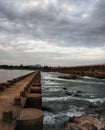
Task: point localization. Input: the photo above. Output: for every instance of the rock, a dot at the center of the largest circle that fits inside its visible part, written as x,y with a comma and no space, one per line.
70,77
71,119
100,111
78,91
68,93
1,88
92,106
86,122
77,95
46,108
64,88
88,126
103,104
73,126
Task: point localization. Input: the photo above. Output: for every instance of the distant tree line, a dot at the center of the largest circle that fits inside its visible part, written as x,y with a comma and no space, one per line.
100,67
26,67
18,67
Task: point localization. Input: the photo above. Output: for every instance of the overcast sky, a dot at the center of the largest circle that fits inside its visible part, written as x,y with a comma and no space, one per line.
52,32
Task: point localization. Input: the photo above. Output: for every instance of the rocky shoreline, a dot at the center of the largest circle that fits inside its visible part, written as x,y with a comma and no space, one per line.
94,119
86,122
75,76
70,77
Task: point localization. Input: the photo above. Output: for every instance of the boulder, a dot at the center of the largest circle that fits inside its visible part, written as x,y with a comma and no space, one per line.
86,122
70,77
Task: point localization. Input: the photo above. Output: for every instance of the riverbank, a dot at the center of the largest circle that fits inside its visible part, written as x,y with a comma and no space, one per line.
86,122
96,71
93,120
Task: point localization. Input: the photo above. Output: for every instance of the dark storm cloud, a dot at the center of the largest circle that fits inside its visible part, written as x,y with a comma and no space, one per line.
86,30
8,10
83,26
28,25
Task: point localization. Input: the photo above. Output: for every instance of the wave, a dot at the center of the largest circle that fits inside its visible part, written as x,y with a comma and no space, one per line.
87,82
50,86
51,83
71,114
73,98
55,78
75,81
96,100
67,98
50,118
87,77
56,99
53,90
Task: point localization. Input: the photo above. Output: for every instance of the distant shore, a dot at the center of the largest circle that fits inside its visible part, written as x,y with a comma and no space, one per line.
96,71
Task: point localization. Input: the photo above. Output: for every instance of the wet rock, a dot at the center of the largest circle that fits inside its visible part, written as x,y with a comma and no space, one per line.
79,91
70,77
77,95
73,126
3,85
96,109
1,88
71,119
88,126
100,111
46,108
92,106
103,104
68,93
86,122
64,88
99,75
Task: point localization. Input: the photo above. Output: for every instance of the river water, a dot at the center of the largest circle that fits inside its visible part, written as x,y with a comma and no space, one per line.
66,98
10,74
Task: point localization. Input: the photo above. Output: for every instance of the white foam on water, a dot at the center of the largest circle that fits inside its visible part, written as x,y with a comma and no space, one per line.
50,118
55,99
75,98
53,90
51,86
96,100
87,82
62,98
55,78
70,114
92,96
51,83
87,77
67,98
49,78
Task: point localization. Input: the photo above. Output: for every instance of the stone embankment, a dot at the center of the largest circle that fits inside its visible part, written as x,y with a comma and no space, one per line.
70,77
20,103
97,71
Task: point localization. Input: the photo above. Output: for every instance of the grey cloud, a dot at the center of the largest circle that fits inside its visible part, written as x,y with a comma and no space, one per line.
8,10
53,23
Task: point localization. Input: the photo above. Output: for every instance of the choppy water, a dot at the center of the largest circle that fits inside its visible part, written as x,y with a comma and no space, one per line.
55,96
